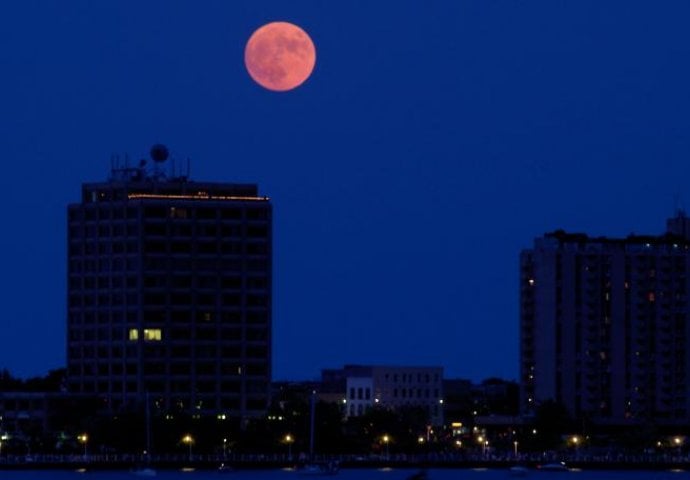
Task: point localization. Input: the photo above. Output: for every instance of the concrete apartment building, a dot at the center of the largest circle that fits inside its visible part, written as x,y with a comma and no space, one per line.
393,387
169,293
605,326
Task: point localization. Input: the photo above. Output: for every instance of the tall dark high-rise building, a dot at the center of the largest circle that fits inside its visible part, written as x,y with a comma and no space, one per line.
605,325
169,293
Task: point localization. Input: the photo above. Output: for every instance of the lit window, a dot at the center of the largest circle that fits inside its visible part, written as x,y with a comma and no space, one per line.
177,212
133,334
152,334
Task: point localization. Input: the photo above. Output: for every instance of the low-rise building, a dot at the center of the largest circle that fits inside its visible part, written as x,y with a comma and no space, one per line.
392,387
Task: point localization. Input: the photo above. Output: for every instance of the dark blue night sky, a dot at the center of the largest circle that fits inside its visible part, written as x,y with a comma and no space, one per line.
434,140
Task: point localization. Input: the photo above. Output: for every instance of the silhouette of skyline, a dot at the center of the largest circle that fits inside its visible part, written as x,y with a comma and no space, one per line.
433,142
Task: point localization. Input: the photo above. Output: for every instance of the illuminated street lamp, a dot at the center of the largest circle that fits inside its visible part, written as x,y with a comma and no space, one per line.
386,439
576,442
515,448
678,442
225,447
3,438
289,440
84,440
483,442
189,441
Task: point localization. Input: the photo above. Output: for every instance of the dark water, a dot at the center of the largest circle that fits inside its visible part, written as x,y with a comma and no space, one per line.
350,474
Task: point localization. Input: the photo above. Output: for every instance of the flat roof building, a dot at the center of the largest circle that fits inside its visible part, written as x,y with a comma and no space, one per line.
169,293
605,326
367,386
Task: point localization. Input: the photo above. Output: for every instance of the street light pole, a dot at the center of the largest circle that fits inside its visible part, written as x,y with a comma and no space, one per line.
678,442
84,439
189,440
289,440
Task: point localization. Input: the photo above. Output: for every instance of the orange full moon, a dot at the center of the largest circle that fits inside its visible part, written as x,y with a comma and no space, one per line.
280,56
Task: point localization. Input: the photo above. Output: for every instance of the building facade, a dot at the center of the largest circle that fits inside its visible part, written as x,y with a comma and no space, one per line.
605,326
169,293
392,387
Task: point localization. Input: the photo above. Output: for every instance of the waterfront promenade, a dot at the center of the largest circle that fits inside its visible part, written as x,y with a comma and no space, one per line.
617,461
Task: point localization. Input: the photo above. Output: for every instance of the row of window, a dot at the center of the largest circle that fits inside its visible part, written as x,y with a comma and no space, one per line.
211,282
410,393
175,247
210,371
92,213
184,316
103,281
178,400
167,263
364,393
206,213
104,265
149,334
77,300
227,353
199,334
409,377
77,231
127,231
360,409
103,248
179,397
181,247
196,230
93,282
